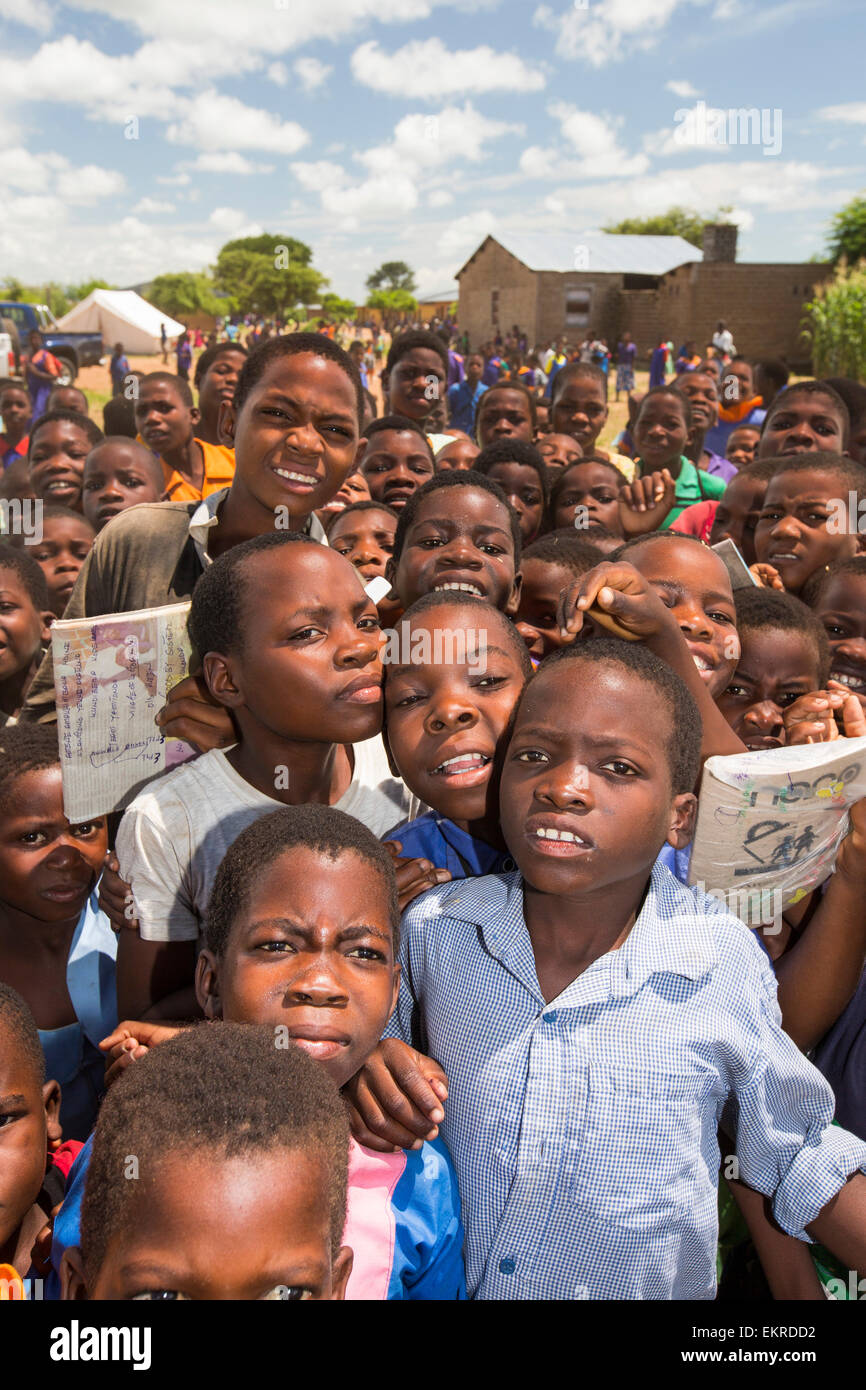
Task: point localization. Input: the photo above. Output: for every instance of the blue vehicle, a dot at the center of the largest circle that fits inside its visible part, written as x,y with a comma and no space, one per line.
72,350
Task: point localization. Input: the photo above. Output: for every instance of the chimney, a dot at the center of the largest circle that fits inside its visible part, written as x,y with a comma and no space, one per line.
720,241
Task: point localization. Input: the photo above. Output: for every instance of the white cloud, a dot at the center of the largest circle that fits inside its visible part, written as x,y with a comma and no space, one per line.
424,142
34,14
682,89
311,73
440,198
383,197
426,69
278,73
152,205
51,173
74,72
850,112
318,173
213,121
228,162
232,221
590,136
607,33
463,234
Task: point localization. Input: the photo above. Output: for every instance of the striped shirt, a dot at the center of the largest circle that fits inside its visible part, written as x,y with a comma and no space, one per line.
583,1129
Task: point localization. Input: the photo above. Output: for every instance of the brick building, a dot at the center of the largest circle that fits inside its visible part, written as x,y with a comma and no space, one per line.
653,286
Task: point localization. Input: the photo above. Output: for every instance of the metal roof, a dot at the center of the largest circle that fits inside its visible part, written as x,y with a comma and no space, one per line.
444,297
603,252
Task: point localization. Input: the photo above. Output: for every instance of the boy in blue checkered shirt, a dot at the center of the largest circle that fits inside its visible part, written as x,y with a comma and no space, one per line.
597,1021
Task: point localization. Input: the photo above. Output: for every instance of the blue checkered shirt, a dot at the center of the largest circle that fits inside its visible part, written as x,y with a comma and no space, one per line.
583,1130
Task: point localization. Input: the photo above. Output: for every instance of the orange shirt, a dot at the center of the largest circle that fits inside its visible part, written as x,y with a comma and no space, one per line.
219,470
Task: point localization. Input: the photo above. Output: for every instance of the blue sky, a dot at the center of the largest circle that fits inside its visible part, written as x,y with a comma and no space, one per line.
409,129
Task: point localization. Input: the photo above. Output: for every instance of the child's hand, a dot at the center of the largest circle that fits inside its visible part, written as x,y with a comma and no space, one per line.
851,857
644,504
131,1041
767,576
810,719
853,715
395,1101
191,713
115,896
414,876
616,597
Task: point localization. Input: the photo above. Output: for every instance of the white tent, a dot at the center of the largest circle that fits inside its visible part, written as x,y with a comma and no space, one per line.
121,316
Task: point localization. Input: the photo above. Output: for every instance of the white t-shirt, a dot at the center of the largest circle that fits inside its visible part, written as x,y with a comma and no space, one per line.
175,833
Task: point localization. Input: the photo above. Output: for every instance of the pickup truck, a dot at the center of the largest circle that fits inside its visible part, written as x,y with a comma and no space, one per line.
72,350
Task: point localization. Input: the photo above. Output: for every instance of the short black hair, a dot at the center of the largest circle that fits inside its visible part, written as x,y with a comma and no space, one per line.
287,345
764,610
840,465
451,598
559,484
9,384
682,747
853,393
147,457
817,582
667,391
18,1029
221,1089
210,355
577,371
216,617
512,450
177,383
400,424
323,829
508,386
25,748
368,504
67,387
564,547
118,417
28,573
466,477
635,541
810,388
53,511
775,370
84,423
405,343
758,468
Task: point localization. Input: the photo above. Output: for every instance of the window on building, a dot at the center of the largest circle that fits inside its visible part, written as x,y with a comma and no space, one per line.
578,305
494,306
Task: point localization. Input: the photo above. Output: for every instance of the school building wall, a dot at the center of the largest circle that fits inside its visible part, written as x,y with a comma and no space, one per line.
496,291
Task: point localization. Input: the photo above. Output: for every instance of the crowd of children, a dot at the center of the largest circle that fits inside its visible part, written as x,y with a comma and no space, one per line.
456,670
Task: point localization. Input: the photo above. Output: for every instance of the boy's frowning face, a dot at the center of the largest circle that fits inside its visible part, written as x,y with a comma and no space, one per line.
259,1228
586,800
47,866
396,463
22,628
311,951
802,424
310,666
841,607
416,383
296,435
737,514
15,406
775,669
460,536
457,707
502,414
65,545
57,454
792,533
366,539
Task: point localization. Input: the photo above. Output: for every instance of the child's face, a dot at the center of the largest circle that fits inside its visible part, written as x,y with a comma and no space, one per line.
580,410
14,407
65,545
259,1226
743,446
27,1109
312,952
416,384
737,514
22,628
47,866
164,421
310,667
296,435
738,383
219,382
68,398
695,585
702,393
396,463
366,539
792,532
774,670
559,450
457,704
502,414
522,486
801,425
593,487
841,607
117,476
543,582
589,768
661,433
57,455
354,489
460,455
460,538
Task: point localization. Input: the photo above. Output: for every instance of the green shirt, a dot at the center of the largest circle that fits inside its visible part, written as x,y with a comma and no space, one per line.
693,485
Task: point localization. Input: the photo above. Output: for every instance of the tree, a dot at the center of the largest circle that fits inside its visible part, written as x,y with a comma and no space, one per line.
677,221
268,274
391,275
835,324
78,292
181,293
848,233
266,245
393,303
336,309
